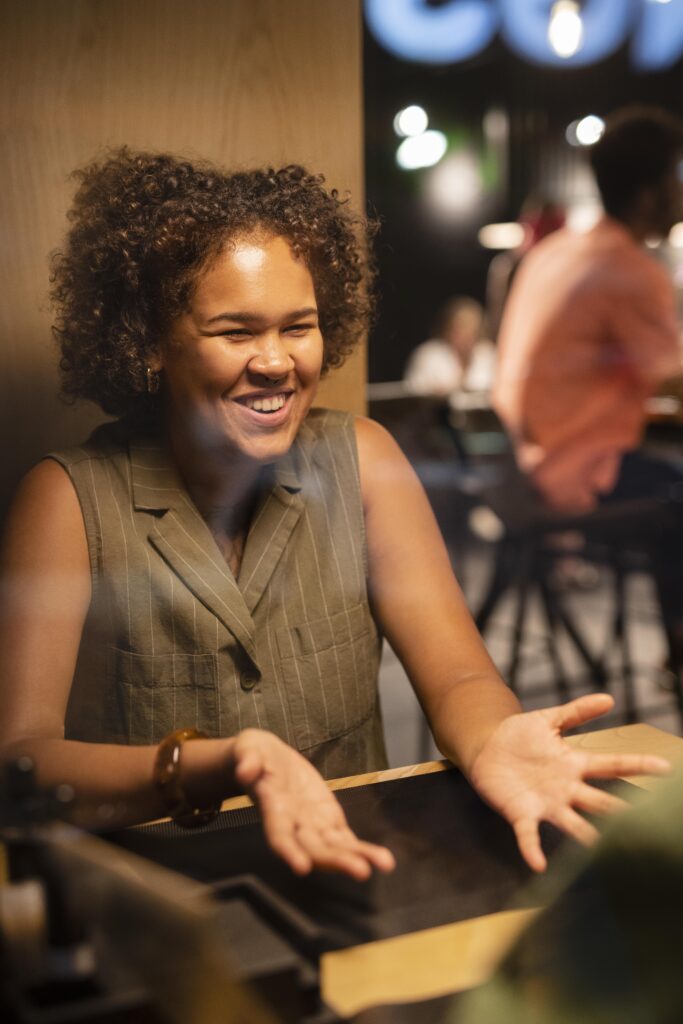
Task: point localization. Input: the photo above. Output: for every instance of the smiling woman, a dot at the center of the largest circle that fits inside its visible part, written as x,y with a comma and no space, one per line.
193,599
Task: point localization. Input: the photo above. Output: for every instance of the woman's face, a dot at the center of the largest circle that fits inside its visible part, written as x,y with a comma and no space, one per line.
241,366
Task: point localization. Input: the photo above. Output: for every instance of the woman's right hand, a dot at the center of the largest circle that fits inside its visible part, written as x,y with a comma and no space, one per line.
302,819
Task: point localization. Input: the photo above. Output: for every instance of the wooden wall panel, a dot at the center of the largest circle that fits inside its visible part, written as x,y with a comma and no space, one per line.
241,82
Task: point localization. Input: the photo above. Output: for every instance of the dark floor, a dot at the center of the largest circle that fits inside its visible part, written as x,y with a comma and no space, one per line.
407,739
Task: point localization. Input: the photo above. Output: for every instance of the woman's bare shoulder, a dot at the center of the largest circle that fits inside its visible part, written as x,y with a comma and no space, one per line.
374,440
45,516
378,452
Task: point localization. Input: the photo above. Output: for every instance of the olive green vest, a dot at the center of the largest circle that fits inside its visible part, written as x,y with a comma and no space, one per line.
173,640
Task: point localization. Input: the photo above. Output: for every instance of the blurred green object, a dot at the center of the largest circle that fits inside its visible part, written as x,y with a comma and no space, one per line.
608,949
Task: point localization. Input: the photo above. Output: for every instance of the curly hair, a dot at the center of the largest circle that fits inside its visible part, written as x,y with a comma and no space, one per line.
144,226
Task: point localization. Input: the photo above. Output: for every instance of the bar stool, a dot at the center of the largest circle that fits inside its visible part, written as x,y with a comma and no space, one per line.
525,560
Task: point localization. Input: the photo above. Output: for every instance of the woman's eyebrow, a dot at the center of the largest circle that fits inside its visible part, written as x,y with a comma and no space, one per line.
296,314
248,318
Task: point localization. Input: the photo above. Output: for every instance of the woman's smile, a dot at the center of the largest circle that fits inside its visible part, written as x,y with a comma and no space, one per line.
266,406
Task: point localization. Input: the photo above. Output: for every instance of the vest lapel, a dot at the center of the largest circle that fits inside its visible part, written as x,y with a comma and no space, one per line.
268,537
185,542
276,519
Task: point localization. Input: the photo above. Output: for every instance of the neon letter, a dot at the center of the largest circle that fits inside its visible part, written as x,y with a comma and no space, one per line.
658,43
606,25
435,35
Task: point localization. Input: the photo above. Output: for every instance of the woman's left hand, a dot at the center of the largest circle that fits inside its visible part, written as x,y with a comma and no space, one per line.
302,819
529,774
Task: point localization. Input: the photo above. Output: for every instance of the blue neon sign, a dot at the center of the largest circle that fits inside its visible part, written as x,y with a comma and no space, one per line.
459,30
435,35
658,42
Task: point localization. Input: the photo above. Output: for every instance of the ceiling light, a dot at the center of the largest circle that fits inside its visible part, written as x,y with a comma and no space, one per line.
411,120
589,130
501,236
565,28
453,189
423,150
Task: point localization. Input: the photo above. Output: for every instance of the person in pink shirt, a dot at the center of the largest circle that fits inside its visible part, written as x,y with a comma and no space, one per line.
590,331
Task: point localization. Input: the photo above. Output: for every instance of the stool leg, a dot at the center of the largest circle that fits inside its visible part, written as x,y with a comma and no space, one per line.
672,647
552,618
676,668
500,581
525,563
621,635
595,666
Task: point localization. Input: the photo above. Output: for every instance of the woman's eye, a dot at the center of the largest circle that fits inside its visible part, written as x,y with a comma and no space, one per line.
237,333
299,328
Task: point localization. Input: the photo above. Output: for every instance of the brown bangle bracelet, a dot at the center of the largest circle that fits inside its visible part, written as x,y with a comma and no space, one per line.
169,783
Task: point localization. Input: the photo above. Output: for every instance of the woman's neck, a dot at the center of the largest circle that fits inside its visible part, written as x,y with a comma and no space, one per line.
223,488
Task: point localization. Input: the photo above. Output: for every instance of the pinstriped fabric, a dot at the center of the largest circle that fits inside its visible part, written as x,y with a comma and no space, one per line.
173,639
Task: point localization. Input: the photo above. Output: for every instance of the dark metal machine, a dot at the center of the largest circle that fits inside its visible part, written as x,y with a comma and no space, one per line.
91,933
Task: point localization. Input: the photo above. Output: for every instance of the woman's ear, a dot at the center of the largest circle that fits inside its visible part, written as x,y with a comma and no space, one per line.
155,362
153,367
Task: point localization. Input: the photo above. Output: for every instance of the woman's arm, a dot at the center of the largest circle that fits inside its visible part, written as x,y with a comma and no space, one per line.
420,606
44,601
518,762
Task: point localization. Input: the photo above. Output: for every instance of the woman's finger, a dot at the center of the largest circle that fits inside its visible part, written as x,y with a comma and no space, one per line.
303,848
597,801
280,831
529,842
379,856
286,845
574,825
612,766
248,767
332,856
583,709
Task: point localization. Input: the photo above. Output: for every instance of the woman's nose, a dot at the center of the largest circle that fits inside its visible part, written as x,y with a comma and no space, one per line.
272,358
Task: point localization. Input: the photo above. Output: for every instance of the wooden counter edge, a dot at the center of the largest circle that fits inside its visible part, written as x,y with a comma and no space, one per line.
420,965
622,739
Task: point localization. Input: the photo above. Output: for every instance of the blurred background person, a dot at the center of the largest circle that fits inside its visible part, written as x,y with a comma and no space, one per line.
458,356
590,332
444,376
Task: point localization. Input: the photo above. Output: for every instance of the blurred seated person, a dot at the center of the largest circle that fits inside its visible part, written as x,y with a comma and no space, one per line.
458,357
590,331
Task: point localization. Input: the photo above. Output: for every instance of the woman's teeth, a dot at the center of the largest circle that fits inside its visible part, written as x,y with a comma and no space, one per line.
266,404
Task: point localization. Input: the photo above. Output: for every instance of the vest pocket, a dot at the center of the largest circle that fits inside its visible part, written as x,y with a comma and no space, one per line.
329,667
149,695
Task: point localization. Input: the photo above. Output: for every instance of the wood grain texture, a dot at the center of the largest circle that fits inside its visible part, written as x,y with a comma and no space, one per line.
633,739
421,965
239,82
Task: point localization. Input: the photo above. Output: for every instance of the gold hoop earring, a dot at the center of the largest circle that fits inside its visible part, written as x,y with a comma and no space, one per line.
153,381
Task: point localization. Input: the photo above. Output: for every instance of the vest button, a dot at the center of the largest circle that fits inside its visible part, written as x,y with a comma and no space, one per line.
248,681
